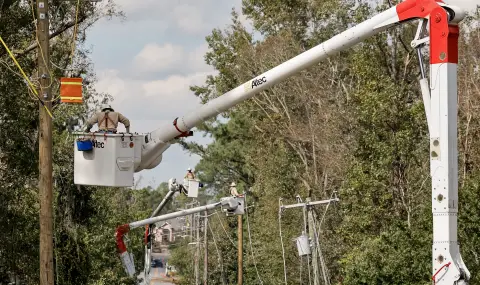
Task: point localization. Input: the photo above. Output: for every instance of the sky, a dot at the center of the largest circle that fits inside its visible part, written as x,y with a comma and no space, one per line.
148,61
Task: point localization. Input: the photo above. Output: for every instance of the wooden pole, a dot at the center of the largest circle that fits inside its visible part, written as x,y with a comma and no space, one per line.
205,259
45,148
240,250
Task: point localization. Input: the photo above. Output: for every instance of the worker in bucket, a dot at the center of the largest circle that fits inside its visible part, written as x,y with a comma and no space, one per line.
107,120
189,174
233,189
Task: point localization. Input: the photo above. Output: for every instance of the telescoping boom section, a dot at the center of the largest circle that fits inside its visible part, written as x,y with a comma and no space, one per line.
438,24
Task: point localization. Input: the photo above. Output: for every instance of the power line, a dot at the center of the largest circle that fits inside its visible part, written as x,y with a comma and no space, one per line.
281,240
218,253
320,255
304,211
334,193
318,230
250,241
229,238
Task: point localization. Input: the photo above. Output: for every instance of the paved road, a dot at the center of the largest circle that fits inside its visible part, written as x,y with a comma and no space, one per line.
158,273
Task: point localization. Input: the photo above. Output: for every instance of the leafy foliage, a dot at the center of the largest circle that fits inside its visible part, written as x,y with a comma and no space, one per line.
354,124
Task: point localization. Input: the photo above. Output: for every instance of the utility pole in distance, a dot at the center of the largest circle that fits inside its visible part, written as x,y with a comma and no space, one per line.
45,147
240,250
307,207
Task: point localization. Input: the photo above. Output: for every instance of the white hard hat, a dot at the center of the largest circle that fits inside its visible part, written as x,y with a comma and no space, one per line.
233,184
106,106
189,169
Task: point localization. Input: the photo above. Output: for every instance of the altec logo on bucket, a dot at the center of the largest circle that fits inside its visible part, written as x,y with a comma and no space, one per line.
98,144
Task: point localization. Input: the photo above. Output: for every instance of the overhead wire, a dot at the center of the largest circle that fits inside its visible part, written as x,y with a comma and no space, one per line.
326,209
1,8
75,32
10,69
230,239
308,256
34,90
325,274
281,240
218,251
250,241
301,264
45,63
29,92
318,230
52,79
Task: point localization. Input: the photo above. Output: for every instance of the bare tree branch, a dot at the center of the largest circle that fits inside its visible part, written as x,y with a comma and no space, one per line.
56,33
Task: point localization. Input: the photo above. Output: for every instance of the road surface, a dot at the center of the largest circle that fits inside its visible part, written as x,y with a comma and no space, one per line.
157,274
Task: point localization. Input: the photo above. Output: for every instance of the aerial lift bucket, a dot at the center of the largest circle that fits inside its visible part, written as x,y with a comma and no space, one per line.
105,159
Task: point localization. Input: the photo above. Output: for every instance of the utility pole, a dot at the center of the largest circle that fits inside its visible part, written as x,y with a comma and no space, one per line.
240,250
45,147
308,205
311,234
205,242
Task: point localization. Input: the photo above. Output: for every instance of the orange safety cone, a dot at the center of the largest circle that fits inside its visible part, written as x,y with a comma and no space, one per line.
71,90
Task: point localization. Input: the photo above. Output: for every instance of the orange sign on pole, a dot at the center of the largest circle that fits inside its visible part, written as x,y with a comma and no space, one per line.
71,90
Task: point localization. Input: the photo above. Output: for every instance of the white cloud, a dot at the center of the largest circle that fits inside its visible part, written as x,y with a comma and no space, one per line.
171,87
171,58
189,18
110,82
154,57
162,99
196,59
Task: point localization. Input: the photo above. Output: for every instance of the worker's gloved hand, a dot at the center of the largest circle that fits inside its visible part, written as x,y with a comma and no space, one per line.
87,130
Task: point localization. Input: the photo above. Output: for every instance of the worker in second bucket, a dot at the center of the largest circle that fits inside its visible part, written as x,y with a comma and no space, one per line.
107,120
190,174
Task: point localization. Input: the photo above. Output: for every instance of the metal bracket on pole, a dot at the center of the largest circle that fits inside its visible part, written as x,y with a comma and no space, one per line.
305,244
308,204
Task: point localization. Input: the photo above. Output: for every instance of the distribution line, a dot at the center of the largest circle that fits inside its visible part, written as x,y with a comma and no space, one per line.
225,231
326,276
250,241
326,209
40,46
304,210
281,240
75,32
52,79
218,252
318,230
21,76
301,263
34,90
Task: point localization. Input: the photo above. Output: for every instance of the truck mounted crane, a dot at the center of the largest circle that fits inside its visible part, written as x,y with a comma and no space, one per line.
113,163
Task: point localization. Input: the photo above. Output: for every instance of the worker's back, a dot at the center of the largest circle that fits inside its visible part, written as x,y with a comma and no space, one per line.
109,120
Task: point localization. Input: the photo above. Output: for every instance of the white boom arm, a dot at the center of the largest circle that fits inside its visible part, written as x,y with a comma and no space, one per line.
157,141
440,99
231,205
